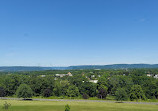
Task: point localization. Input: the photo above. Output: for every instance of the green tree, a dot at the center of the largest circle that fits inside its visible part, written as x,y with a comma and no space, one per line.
64,86
120,81
102,81
88,88
10,84
121,94
24,91
39,84
2,92
72,91
57,89
137,93
102,92
47,93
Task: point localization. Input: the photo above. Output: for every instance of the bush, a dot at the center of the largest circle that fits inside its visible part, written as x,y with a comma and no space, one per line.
67,107
6,106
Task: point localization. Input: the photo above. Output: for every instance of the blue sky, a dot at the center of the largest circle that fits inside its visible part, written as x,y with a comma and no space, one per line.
78,32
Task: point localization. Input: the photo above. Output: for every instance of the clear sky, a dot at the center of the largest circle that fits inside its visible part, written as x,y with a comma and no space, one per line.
78,32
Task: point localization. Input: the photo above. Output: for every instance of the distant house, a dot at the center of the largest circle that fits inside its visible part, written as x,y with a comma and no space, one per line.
149,75
62,75
43,75
93,81
69,74
156,76
97,69
55,78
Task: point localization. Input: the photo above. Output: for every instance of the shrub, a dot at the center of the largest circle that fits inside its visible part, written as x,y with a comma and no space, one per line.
6,106
67,107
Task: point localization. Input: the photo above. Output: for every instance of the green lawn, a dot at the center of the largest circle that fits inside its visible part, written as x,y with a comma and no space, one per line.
75,106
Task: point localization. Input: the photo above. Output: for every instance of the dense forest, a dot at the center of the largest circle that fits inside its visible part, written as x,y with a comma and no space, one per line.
123,84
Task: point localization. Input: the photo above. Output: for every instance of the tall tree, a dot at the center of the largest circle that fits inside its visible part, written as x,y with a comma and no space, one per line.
24,91
121,94
2,92
102,92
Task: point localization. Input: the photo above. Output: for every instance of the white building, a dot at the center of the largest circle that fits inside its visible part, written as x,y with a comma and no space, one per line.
156,76
62,75
43,75
93,81
149,75
92,76
69,74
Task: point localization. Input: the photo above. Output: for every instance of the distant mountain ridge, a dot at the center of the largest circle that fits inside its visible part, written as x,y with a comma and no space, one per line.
113,66
28,68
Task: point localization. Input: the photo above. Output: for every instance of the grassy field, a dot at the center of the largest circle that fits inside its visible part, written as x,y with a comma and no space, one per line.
75,106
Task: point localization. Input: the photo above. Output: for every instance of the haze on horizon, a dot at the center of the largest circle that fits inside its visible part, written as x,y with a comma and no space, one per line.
78,32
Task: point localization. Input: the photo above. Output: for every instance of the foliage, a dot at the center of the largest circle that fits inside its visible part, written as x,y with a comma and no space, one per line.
24,91
137,93
2,92
72,91
85,96
102,93
57,89
67,107
47,93
121,94
120,81
6,106
88,88
10,84
109,81
64,84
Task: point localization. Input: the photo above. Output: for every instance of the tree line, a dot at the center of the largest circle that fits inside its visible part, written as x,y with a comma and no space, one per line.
123,84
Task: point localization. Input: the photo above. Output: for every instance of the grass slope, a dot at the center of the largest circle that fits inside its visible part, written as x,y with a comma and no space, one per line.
75,106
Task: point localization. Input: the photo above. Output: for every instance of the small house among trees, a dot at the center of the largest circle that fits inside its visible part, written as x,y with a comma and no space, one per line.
62,75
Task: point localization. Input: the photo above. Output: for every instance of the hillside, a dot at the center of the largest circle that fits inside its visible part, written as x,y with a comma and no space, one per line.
114,66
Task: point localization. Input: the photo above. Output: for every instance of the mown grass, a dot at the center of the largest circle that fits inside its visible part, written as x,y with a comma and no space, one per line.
111,98
75,106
